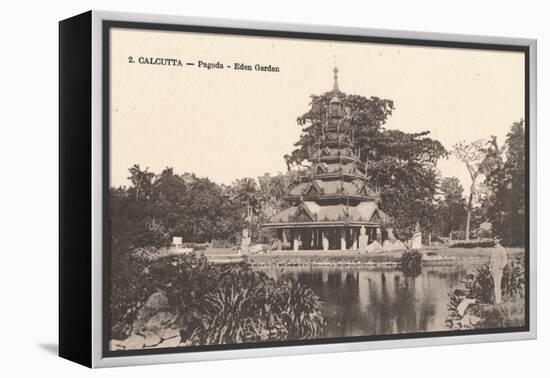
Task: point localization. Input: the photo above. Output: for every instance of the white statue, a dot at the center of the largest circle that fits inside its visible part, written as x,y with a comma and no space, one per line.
499,259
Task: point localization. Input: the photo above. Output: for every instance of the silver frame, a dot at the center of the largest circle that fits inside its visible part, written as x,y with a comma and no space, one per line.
97,189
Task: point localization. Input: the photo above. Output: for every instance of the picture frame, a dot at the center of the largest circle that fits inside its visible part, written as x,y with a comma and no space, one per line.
88,150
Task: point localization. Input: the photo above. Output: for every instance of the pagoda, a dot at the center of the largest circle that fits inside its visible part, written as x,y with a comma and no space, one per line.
331,205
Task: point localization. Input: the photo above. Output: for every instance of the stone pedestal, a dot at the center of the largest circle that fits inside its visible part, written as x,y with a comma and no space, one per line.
379,235
245,241
416,241
391,236
245,244
374,247
363,243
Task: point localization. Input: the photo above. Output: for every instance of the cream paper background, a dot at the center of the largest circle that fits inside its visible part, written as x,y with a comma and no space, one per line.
228,124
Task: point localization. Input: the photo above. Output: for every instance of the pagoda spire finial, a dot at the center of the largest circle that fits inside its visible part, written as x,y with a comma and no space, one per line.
335,88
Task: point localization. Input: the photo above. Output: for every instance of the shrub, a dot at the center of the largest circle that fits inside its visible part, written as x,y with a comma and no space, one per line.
216,304
478,286
473,243
411,263
458,235
299,308
510,313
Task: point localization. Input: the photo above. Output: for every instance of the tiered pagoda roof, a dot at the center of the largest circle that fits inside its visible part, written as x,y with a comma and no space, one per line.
335,189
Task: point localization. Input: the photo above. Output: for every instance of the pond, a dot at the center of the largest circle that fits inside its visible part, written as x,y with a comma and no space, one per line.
366,301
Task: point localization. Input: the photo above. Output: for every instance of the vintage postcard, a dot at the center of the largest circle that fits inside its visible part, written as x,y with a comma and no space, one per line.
300,189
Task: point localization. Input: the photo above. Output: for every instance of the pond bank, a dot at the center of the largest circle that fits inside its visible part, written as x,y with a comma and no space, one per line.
431,257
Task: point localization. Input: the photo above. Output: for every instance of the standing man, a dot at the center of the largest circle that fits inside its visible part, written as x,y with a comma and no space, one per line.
499,259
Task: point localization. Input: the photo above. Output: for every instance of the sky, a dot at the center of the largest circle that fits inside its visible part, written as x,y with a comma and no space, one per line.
227,124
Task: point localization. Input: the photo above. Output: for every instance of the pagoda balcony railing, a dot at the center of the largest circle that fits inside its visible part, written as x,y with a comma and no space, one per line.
330,175
335,143
337,158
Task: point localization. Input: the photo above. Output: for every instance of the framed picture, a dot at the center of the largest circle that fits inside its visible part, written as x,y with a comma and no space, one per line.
232,189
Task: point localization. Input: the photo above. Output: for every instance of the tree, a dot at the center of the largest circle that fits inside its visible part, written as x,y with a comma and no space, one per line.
156,207
451,207
505,204
246,191
274,188
476,157
142,181
515,174
400,165
403,169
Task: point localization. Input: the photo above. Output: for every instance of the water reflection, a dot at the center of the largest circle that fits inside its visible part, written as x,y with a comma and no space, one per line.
359,302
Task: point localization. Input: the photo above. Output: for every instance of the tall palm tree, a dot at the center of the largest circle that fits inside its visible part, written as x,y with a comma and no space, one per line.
247,192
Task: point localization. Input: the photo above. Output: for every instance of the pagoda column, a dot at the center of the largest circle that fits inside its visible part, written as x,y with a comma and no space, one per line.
317,233
342,239
280,233
308,239
372,234
355,238
379,235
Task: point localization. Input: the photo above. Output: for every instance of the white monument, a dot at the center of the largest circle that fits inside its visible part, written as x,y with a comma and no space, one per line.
363,240
245,241
416,241
325,242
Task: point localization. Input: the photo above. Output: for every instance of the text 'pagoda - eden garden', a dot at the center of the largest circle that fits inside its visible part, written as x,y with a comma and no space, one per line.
331,205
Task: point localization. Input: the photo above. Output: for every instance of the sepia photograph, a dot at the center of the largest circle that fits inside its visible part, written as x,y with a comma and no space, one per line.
279,190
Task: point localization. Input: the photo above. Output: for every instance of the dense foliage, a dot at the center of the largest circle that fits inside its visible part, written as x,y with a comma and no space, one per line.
214,304
210,304
450,209
474,243
411,263
478,287
402,166
158,206
478,161
500,197
504,204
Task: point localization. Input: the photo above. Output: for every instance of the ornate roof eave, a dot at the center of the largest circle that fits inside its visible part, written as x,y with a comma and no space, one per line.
331,196
321,224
